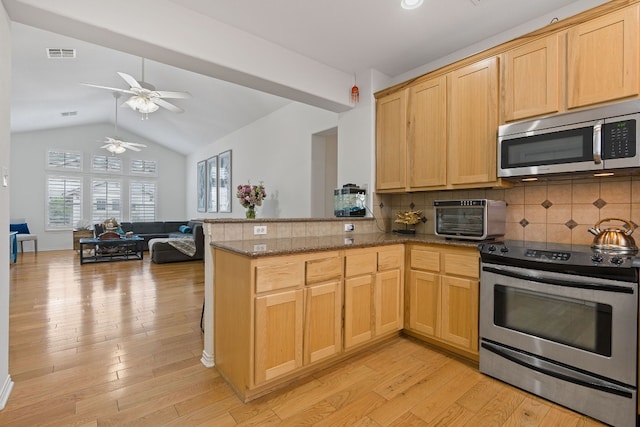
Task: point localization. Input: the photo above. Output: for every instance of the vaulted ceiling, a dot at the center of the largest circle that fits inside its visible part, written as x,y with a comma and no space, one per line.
350,36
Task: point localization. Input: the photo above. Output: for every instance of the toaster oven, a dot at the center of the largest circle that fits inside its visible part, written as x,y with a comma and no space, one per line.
471,219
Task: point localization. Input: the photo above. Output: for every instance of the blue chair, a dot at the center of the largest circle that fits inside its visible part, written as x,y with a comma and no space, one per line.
24,235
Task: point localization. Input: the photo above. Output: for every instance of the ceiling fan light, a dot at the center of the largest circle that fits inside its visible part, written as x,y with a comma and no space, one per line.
411,4
141,104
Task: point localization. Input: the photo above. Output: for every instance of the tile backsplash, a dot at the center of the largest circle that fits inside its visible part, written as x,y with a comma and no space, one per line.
553,211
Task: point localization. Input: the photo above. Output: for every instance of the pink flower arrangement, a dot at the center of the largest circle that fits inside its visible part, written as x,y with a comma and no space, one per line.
251,195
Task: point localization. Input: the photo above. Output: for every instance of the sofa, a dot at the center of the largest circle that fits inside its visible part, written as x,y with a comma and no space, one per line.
156,229
174,248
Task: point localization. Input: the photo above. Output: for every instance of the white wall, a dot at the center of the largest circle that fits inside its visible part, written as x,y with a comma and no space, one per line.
28,189
275,150
5,96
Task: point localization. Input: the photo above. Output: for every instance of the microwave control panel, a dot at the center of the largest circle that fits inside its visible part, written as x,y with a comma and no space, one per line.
619,139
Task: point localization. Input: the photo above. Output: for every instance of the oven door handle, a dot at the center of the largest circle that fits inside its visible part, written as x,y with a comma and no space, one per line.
556,371
559,282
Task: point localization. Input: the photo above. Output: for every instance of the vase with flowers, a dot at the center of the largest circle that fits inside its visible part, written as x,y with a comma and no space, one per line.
251,196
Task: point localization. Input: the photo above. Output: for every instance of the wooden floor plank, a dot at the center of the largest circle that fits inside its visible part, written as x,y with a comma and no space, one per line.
119,344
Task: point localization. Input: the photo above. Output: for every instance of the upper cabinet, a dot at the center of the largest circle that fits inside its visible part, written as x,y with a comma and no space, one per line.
449,140
473,123
439,131
427,137
531,79
391,142
602,58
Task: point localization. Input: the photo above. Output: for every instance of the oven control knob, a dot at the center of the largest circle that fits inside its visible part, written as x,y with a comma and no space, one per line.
596,258
504,249
491,248
616,260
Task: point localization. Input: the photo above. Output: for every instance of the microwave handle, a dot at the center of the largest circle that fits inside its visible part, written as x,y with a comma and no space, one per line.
597,143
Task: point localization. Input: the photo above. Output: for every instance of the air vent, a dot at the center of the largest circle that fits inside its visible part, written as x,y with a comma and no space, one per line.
59,53
69,113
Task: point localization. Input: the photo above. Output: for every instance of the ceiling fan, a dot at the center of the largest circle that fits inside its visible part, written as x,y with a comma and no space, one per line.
144,96
115,145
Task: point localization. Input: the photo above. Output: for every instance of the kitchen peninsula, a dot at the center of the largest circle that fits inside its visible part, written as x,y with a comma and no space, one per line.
287,306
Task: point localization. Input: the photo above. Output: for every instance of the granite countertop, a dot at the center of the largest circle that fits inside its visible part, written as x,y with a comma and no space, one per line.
285,246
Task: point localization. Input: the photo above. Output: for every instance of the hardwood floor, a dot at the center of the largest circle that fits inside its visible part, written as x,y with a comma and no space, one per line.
118,344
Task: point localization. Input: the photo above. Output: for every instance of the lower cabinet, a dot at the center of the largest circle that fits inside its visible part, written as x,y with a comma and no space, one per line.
279,317
278,334
442,291
374,296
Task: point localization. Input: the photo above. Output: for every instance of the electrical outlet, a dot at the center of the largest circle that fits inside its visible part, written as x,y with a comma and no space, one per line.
260,248
349,227
259,229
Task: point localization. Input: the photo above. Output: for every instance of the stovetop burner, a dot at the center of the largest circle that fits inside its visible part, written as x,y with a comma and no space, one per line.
573,259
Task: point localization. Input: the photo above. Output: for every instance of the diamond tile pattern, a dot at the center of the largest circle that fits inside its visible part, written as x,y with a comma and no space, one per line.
571,224
524,222
546,204
599,203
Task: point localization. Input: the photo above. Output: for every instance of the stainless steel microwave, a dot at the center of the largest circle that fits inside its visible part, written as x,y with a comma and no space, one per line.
471,219
598,139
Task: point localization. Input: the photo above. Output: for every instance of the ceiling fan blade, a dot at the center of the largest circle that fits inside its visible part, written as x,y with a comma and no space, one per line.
135,144
130,147
167,105
130,80
169,94
109,88
106,145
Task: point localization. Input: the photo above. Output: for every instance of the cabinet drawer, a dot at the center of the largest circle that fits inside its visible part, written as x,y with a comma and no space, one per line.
321,270
360,263
460,264
390,259
279,276
422,259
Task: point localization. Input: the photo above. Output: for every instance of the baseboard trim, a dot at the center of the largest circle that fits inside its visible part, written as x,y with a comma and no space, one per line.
5,391
207,360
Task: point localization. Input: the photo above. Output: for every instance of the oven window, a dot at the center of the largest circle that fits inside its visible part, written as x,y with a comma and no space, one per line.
462,221
577,323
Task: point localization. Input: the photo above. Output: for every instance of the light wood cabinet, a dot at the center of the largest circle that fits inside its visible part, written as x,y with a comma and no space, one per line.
427,135
279,317
373,293
391,142
602,58
278,334
80,234
532,75
473,124
451,139
442,291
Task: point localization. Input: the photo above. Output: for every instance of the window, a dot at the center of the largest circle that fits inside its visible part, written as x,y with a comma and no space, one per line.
105,200
108,164
144,167
64,202
64,160
142,201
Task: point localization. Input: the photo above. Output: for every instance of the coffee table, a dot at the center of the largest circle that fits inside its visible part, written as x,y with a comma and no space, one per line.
105,250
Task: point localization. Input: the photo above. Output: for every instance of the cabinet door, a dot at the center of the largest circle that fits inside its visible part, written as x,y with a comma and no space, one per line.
358,310
388,301
602,58
460,312
278,334
323,321
427,137
473,123
424,297
391,142
531,76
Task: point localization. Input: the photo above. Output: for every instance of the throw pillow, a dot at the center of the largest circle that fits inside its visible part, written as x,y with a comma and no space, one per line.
184,229
20,228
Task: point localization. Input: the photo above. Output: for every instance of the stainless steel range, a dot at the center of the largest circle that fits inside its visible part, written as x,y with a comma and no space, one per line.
561,321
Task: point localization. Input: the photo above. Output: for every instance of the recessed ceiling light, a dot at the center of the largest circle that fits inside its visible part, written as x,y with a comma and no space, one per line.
411,4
